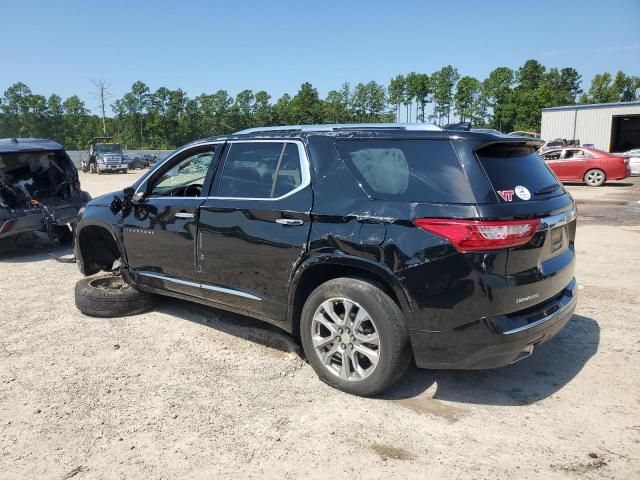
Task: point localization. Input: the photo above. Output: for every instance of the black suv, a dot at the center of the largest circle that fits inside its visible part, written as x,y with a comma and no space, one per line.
374,244
39,190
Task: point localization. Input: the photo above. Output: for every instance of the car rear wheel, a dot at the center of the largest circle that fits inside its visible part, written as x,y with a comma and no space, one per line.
594,177
354,336
110,296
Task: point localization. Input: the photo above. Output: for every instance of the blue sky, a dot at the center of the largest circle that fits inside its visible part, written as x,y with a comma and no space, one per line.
203,46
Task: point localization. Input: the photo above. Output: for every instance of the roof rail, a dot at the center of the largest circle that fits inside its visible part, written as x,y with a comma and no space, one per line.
344,126
464,126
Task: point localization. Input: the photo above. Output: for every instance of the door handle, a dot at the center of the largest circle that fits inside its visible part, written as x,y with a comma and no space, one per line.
289,221
183,215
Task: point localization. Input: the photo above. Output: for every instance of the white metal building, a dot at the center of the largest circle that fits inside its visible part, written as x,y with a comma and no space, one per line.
613,127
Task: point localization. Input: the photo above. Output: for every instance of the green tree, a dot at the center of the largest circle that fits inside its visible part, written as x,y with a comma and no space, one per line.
77,131
337,105
306,106
559,87
443,82
421,92
36,117
283,111
397,91
56,119
497,93
368,102
263,114
176,111
530,75
140,92
528,96
15,106
601,90
571,81
467,99
413,86
626,87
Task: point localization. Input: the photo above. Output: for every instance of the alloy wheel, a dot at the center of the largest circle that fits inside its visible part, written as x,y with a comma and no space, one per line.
595,177
345,338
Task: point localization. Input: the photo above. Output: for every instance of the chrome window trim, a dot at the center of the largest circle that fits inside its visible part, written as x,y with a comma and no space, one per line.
168,278
305,169
172,156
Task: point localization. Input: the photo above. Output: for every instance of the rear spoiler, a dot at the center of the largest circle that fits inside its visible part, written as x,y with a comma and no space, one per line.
532,143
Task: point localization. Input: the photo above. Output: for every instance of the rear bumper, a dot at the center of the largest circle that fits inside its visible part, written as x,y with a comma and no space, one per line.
36,219
495,341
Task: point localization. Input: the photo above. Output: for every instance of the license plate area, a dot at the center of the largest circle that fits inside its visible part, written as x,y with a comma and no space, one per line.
556,239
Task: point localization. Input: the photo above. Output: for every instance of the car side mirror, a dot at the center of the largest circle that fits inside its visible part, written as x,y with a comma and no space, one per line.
137,198
131,195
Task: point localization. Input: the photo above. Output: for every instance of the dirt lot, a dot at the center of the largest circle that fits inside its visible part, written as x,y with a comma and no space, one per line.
187,391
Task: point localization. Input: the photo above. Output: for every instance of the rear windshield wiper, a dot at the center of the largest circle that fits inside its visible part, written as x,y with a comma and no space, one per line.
547,189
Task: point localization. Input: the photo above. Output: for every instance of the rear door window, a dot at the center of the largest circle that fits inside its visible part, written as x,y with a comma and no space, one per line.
255,170
407,170
510,166
553,155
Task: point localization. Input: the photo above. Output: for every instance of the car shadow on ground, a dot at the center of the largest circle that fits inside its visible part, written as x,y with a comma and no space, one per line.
611,184
32,250
240,326
552,366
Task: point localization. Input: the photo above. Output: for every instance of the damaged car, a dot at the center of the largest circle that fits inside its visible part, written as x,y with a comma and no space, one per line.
39,190
375,245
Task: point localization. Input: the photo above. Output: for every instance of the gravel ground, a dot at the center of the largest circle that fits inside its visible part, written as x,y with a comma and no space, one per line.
188,391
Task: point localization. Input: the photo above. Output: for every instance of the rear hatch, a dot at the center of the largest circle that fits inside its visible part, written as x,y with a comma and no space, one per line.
479,184
525,188
39,178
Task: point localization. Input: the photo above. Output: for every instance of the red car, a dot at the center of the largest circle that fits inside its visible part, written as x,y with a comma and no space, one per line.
586,165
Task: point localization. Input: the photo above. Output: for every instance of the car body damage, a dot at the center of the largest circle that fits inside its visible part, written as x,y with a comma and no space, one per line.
39,189
464,239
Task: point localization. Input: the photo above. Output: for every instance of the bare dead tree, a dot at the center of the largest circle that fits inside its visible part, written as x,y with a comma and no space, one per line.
102,92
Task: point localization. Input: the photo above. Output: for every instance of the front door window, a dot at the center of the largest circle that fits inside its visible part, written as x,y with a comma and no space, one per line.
184,179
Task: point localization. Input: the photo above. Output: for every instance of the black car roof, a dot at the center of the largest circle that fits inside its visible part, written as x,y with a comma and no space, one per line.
11,145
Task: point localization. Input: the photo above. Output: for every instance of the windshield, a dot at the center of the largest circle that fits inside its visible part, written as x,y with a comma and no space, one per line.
108,148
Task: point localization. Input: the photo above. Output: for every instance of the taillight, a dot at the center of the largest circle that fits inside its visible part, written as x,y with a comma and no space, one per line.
479,235
6,226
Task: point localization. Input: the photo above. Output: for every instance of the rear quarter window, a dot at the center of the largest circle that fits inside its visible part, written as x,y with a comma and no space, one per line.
509,166
407,170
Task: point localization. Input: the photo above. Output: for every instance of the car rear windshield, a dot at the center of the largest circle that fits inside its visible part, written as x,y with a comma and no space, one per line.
408,170
509,166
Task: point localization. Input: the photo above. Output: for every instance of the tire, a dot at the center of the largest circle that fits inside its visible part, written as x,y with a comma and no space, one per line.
110,296
63,234
385,320
595,177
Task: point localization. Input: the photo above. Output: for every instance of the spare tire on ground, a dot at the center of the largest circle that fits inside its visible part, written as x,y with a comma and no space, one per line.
110,296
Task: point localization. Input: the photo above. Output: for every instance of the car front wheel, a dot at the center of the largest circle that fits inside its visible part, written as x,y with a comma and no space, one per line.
354,336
